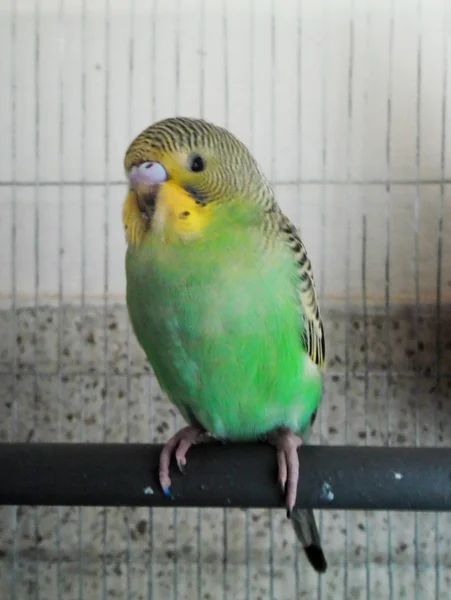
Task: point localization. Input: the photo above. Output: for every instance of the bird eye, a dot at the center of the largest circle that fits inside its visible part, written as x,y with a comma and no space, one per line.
196,164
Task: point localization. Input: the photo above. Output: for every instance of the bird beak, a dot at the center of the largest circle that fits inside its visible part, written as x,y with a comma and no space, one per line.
145,180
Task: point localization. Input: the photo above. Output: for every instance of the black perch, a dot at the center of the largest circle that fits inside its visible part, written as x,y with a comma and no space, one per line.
230,475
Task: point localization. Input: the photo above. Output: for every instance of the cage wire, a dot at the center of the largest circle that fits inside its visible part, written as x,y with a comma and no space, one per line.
344,104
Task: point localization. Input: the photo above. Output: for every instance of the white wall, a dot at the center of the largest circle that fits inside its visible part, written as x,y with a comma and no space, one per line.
307,84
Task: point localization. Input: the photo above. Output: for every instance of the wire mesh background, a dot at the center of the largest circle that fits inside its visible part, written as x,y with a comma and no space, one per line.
345,106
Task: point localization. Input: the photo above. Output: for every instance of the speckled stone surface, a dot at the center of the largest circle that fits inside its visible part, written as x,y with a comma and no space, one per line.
73,375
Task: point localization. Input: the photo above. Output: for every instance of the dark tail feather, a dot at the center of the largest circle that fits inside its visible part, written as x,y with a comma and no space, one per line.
307,533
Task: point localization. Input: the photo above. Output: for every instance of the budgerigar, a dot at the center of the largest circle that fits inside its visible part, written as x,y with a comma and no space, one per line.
222,299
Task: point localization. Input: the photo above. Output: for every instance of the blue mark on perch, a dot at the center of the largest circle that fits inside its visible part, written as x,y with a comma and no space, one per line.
326,492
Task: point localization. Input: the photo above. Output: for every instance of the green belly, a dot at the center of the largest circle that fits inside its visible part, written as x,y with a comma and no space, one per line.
223,336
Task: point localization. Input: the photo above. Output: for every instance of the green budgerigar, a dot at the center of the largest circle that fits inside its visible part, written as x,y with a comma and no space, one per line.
222,299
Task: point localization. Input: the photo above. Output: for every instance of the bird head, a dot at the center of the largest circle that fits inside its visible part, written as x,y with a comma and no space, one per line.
179,171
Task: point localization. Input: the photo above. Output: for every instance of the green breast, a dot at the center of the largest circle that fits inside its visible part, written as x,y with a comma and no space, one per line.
220,324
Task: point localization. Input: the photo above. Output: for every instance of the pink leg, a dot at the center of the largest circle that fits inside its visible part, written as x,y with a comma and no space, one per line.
287,444
179,445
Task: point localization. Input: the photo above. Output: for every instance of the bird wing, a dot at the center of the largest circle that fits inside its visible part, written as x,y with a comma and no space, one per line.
312,326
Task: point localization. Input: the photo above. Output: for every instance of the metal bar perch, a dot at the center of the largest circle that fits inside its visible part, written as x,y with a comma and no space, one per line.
225,475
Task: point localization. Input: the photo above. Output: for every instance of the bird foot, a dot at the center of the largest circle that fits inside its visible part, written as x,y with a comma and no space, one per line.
178,444
287,444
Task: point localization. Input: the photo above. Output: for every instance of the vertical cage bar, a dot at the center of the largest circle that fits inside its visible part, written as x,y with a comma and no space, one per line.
350,77
175,521
202,59
37,124
225,34
151,539
106,215
83,277
324,155
13,143
416,219
151,545
151,512
365,304
387,269
61,59
366,385
13,334
438,303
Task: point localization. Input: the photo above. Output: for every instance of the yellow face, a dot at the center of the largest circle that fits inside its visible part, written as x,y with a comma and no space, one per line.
166,198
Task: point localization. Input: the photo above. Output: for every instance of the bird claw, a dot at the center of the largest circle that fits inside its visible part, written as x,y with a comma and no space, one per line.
167,492
181,465
287,443
178,445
